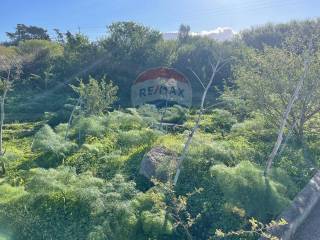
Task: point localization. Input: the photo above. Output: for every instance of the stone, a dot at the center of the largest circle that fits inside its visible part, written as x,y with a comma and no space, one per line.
159,163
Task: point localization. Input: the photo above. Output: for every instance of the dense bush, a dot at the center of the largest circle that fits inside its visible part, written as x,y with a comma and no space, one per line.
92,156
47,141
222,121
118,120
89,186
81,206
136,138
219,121
245,187
175,114
260,136
149,113
233,188
83,127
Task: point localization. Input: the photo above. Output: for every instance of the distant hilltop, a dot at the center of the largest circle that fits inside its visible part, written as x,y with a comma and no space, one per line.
219,34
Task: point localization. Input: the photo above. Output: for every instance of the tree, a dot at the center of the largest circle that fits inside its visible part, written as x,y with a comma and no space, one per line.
129,49
184,33
276,35
286,114
60,37
194,55
96,97
215,69
79,55
131,44
24,32
10,69
42,55
267,80
130,39
286,90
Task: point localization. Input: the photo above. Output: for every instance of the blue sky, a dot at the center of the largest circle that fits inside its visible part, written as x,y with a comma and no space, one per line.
91,16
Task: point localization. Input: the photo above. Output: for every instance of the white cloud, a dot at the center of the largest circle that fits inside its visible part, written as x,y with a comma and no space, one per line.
219,34
218,30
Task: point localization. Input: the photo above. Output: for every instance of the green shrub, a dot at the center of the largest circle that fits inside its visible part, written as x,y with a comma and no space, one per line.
95,155
239,107
150,113
83,160
62,115
222,121
312,143
155,223
254,129
154,220
59,204
175,114
245,187
174,142
9,194
206,151
219,121
89,126
205,124
61,129
47,141
292,159
124,121
260,137
132,138
111,164
132,166
97,95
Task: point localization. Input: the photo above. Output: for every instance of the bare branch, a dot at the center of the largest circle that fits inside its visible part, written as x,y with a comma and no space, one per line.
196,126
71,116
197,77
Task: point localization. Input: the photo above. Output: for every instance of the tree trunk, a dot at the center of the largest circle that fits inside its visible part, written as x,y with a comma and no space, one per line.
6,84
2,122
188,142
285,119
70,118
186,147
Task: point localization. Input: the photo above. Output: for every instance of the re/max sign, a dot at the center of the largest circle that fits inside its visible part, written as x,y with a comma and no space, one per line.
161,90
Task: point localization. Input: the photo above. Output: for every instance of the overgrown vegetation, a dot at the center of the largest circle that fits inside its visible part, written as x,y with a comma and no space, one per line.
71,152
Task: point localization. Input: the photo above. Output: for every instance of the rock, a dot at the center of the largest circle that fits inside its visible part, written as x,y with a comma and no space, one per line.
159,163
